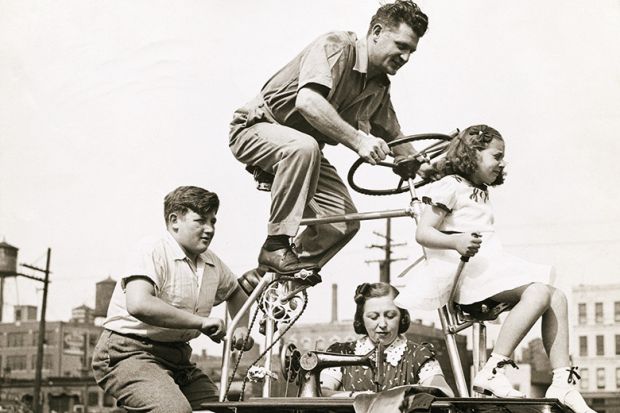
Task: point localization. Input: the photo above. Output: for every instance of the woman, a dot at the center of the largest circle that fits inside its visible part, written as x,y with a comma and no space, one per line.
379,321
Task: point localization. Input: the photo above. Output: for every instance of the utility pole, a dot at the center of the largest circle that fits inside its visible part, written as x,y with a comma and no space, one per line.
41,338
86,369
9,269
384,264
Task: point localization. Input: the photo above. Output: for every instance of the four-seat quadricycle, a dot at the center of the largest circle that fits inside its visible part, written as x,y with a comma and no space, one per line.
281,300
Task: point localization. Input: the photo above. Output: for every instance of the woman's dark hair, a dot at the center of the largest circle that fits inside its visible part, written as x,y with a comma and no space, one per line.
193,198
462,154
401,11
375,290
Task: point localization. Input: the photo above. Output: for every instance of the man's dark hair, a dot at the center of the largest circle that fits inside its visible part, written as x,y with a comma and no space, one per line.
193,198
401,11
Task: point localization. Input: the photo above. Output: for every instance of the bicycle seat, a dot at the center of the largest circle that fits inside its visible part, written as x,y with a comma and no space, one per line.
485,310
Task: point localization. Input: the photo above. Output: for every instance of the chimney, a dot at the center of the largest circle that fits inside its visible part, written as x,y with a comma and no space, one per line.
334,303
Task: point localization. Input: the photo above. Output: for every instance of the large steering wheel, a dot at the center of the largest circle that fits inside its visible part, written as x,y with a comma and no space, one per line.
436,144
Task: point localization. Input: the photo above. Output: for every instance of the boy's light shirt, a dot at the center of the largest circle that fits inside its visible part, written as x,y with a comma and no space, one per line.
176,281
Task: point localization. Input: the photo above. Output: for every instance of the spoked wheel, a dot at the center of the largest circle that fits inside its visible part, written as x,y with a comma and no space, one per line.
289,362
430,145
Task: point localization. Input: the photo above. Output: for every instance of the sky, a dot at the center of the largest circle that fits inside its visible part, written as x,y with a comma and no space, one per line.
107,106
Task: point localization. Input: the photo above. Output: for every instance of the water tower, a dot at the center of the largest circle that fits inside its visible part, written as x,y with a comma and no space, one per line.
103,295
8,268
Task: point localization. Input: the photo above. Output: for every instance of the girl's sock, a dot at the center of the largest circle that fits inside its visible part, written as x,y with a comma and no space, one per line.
560,376
563,388
493,360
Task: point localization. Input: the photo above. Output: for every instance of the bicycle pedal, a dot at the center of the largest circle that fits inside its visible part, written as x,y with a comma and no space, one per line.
310,277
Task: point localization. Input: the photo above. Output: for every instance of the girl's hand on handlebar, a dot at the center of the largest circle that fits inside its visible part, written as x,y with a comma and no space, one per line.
468,244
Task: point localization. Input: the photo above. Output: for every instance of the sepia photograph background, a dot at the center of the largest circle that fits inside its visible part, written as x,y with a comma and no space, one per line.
105,107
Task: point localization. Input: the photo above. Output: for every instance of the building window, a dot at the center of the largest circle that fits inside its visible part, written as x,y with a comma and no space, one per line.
583,315
617,311
600,378
108,401
16,363
93,398
600,345
617,344
583,346
617,377
306,344
49,339
585,379
47,362
319,344
16,339
598,313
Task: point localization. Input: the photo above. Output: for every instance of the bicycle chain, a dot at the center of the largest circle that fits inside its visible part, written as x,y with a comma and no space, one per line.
280,336
245,339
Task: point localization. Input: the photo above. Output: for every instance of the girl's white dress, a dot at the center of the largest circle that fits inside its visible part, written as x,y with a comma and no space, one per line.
489,272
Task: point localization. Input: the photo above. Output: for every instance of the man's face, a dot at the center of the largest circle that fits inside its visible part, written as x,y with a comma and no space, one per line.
391,47
193,232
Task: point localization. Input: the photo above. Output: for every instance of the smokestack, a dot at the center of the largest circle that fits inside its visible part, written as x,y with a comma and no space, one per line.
334,303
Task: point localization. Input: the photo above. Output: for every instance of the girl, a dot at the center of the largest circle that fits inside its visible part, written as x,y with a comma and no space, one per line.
459,222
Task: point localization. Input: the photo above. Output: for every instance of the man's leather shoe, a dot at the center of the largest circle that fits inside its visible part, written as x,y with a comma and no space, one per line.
250,279
283,261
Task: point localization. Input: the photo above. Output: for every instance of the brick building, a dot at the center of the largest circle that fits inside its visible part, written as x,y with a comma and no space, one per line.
596,344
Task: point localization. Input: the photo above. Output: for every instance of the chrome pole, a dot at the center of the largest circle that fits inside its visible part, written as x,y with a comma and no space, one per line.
479,351
269,330
453,352
267,278
362,216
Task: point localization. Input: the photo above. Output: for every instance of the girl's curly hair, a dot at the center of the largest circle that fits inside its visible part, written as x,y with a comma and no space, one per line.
462,154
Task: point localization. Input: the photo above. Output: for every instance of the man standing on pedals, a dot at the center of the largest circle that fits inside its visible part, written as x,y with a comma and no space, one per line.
335,91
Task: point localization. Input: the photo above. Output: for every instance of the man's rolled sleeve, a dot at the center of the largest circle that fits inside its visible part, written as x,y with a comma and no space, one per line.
322,62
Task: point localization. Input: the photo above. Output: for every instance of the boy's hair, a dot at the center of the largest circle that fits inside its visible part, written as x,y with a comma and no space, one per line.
462,154
193,198
401,11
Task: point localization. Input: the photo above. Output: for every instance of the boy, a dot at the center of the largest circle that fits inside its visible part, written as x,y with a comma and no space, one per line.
162,301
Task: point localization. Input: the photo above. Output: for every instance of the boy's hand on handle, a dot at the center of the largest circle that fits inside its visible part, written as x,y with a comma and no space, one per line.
238,337
371,149
213,328
468,244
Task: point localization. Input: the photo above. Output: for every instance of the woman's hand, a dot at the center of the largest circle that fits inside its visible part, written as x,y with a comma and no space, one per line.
467,244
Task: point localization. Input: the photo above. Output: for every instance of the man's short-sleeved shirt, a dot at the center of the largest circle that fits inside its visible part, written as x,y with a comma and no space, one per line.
337,61
176,281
